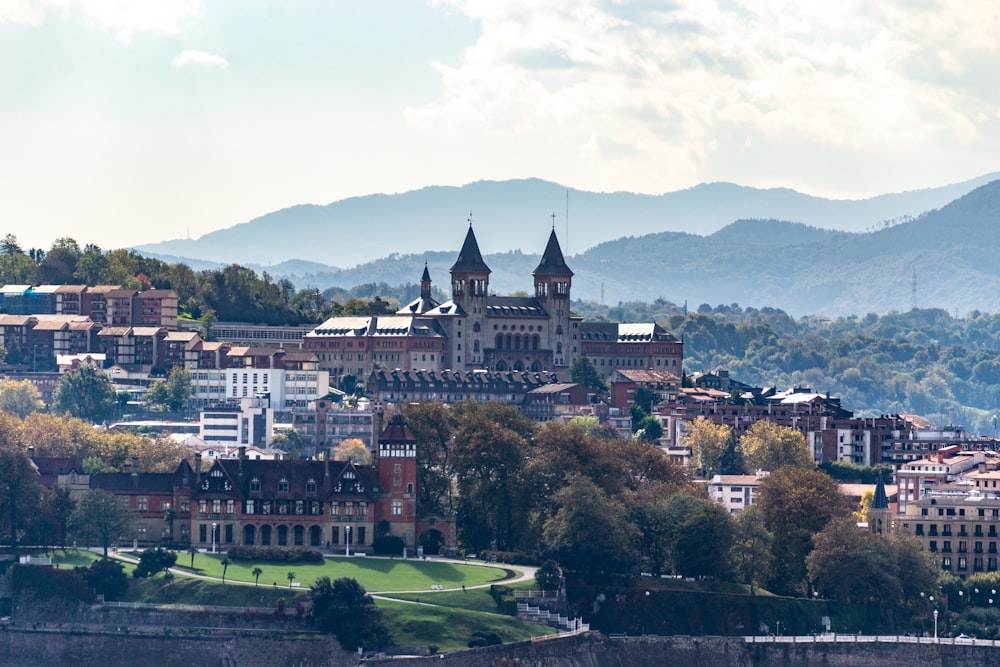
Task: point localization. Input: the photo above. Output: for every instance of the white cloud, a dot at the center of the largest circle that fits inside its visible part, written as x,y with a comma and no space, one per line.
702,81
121,17
202,58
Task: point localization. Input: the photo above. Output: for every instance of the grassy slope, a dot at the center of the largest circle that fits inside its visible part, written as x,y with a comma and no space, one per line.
447,620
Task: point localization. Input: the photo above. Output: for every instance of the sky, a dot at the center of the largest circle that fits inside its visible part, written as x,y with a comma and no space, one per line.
125,122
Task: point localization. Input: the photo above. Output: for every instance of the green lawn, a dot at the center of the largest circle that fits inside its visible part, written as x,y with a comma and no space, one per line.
448,628
375,574
80,558
184,590
477,599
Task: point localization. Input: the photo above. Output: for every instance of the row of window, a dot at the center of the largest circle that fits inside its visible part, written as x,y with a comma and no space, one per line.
963,547
963,564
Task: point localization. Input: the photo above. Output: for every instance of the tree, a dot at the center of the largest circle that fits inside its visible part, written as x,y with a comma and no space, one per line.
85,393
751,551
487,458
106,577
353,450
707,441
767,446
590,533
582,371
256,572
20,489
292,443
20,397
703,541
797,503
225,568
851,564
99,519
291,577
206,322
650,429
192,551
154,561
432,428
549,576
173,392
343,608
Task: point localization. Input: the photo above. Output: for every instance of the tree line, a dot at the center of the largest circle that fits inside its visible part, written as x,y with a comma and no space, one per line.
606,507
234,293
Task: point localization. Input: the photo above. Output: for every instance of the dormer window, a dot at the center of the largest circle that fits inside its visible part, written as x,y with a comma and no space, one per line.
283,485
255,484
311,486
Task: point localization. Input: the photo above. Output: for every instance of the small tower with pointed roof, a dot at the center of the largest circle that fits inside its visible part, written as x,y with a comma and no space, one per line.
425,284
553,280
880,514
470,282
397,473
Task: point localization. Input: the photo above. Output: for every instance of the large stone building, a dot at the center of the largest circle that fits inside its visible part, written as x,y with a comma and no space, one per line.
476,330
245,501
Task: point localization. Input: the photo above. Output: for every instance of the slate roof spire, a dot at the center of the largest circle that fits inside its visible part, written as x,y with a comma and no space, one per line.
552,262
470,260
425,283
881,500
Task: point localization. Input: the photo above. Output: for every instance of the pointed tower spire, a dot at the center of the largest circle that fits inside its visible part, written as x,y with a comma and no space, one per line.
552,262
425,283
470,260
881,500
880,514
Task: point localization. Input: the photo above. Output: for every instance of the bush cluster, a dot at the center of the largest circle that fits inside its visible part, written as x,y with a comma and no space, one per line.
481,638
48,582
388,545
504,597
276,554
511,557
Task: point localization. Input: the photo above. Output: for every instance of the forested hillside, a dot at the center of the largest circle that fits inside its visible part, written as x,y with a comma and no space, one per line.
923,361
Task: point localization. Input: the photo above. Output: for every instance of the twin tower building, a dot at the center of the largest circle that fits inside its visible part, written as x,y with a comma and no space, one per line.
477,330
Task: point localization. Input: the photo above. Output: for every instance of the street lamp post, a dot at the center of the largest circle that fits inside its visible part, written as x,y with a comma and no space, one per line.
347,539
935,624
214,527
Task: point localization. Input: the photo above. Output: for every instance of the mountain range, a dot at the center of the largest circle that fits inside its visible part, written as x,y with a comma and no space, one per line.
887,253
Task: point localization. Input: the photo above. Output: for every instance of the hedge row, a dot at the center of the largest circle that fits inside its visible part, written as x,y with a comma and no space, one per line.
275,554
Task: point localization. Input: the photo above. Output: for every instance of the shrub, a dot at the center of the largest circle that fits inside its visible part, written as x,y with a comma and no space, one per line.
388,545
107,577
48,582
275,554
512,557
154,561
484,638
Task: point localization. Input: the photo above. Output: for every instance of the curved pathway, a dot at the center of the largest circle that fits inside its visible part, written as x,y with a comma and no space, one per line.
514,574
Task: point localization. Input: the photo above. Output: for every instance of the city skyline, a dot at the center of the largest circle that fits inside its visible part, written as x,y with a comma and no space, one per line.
131,122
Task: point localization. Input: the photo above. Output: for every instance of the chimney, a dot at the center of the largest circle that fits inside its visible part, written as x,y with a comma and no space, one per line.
328,454
31,452
135,463
242,457
197,468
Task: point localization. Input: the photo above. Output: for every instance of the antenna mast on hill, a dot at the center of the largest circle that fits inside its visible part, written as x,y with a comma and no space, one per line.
567,222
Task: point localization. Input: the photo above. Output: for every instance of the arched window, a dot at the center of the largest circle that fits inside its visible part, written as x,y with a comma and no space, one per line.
475,346
499,341
558,348
534,342
517,342
508,341
476,327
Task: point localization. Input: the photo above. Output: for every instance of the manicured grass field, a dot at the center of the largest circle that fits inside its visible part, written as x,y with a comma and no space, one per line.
80,558
448,628
375,574
477,599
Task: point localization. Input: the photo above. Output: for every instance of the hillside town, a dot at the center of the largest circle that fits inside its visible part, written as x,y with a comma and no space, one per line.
508,428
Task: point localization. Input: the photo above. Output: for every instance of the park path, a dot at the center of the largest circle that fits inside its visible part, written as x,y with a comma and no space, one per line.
515,574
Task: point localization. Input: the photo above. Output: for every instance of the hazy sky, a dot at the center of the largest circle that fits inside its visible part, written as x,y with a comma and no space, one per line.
134,121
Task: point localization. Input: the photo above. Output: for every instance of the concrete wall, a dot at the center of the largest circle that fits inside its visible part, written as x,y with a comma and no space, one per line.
593,650
35,648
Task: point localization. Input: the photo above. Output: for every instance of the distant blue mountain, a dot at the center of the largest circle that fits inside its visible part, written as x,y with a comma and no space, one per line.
517,215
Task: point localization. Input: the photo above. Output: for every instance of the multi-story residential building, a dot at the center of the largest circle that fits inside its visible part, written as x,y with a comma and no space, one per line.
245,333
625,384
561,401
478,331
249,422
734,492
397,387
326,423
937,470
831,431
